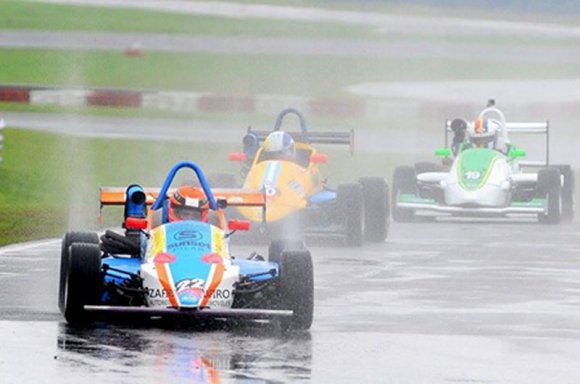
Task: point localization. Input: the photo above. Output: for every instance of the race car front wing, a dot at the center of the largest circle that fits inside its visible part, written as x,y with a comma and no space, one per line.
238,313
532,207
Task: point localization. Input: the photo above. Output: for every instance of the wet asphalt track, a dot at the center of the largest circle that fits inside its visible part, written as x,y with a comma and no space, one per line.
449,302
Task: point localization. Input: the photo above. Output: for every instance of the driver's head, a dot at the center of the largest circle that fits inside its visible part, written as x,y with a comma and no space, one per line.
279,145
188,203
482,132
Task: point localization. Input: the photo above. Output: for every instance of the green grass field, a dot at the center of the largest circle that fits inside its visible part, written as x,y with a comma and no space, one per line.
244,74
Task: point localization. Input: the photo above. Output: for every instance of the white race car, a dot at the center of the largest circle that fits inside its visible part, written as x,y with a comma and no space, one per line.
485,179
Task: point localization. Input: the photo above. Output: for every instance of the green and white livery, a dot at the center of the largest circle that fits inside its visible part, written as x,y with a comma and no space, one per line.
485,178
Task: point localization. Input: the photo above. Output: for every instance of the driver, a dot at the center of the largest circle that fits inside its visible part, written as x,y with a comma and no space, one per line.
188,203
279,145
483,133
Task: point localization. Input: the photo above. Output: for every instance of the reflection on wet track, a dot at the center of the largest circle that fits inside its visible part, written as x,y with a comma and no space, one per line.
437,303
204,355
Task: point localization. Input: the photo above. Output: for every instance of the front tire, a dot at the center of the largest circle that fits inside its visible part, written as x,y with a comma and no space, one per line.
296,289
404,182
549,187
568,188
83,285
350,205
376,208
427,166
69,239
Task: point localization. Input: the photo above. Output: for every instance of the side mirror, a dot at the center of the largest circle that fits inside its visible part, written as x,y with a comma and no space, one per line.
135,223
239,225
515,153
443,152
237,156
319,158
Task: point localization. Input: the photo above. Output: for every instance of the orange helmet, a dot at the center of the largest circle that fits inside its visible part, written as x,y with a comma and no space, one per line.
188,203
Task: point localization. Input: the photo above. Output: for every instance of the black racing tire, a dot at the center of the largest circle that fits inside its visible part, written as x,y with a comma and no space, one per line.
376,208
68,239
276,248
84,282
295,289
549,187
404,181
427,166
568,190
221,180
350,206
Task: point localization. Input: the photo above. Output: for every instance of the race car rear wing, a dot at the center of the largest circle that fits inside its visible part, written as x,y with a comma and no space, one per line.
319,137
305,136
537,128
111,196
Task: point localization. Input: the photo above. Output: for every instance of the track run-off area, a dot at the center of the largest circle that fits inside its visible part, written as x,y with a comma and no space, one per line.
454,301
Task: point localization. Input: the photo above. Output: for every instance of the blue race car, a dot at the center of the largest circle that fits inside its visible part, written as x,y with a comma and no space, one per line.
160,267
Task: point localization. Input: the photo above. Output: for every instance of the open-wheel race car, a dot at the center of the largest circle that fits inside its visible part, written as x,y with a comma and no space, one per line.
174,259
285,165
484,176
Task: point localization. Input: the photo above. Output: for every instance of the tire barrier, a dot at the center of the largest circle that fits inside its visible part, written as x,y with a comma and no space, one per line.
181,101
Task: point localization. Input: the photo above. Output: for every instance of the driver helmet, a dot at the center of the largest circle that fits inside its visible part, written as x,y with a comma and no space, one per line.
188,203
279,144
483,132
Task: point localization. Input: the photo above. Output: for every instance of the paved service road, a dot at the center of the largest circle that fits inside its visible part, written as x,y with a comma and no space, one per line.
448,302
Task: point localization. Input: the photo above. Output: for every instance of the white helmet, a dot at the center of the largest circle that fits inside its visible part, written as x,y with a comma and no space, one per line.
483,131
279,143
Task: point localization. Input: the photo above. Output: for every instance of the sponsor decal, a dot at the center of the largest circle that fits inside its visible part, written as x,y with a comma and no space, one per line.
190,291
164,258
189,244
270,191
157,293
222,294
472,175
221,298
212,258
219,246
191,235
297,187
156,243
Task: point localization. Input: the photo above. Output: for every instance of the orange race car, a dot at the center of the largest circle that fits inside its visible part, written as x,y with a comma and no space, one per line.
285,166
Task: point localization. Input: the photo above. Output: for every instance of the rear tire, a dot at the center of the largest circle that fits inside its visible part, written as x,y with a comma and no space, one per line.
350,205
376,208
426,166
568,189
68,239
296,289
83,285
404,181
549,188
276,248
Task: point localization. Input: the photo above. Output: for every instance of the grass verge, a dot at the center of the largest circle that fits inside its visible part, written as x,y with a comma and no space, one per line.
244,75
